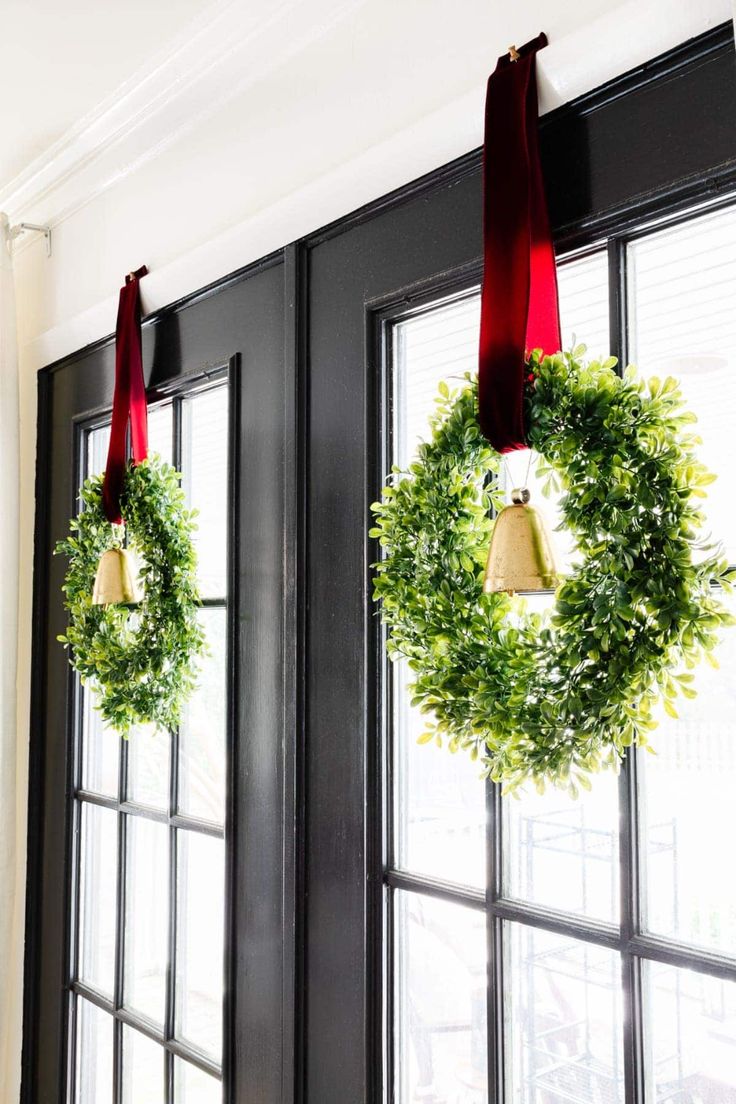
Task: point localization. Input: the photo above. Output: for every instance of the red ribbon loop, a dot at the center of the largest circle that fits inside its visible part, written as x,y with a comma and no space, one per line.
519,306
129,400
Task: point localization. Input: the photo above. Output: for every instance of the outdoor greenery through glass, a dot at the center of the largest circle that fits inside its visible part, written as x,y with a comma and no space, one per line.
146,999
545,950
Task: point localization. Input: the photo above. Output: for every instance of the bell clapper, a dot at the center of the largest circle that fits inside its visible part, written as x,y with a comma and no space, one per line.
521,556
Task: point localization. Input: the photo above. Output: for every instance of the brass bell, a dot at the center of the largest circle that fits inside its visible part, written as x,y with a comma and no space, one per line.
521,556
116,581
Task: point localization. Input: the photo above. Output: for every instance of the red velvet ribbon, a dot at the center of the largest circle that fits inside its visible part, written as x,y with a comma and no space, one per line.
519,306
129,400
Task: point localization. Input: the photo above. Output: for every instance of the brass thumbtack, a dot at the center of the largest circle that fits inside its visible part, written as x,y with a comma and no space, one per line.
514,54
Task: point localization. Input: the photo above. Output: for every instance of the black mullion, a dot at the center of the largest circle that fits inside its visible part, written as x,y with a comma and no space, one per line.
71,1046
170,1009
628,838
385,1026
433,887
128,1018
617,306
74,851
684,956
117,1061
231,690
149,812
561,923
192,824
495,1018
119,981
89,797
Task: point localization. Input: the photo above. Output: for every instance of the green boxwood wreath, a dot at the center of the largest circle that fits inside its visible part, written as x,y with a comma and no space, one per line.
555,696
141,662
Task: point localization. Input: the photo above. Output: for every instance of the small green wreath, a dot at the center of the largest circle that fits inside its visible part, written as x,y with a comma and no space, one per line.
141,662
553,697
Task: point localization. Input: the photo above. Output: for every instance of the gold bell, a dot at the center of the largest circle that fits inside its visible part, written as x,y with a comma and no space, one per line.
116,581
521,556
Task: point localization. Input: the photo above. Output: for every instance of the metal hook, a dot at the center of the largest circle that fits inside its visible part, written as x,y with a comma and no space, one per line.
514,54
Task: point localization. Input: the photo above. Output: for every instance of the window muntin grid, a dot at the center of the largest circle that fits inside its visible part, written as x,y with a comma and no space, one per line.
595,892
146,1006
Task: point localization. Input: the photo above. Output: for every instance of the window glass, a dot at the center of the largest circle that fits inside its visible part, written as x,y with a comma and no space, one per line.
199,952
691,1033
143,1069
203,727
192,1086
439,799
100,751
147,909
583,293
565,1020
441,980
688,814
98,897
148,767
94,1054
682,302
562,852
204,467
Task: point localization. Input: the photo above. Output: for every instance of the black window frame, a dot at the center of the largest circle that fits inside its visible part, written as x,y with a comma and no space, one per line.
124,807
629,938
302,329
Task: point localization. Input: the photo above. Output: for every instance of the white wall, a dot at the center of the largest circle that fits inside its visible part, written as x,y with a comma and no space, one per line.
270,120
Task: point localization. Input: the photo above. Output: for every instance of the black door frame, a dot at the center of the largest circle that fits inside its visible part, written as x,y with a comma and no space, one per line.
304,970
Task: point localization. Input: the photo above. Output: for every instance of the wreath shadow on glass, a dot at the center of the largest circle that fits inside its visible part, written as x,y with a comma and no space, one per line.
555,696
140,658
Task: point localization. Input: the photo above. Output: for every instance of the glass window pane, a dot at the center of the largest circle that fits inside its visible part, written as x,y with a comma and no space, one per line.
583,287
204,465
94,1054
440,1002
161,432
203,728
199,954
691,1032
683,323
98,442
148,767
440,811
563,853
100,750
192,1086
143,1069
440,802
688,814
98,897
441,344
565,1023
147,917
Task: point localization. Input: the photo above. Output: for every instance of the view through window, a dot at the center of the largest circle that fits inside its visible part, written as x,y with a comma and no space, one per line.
551,951
149,815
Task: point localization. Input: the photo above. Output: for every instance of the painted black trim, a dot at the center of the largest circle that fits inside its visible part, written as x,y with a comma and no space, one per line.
308,998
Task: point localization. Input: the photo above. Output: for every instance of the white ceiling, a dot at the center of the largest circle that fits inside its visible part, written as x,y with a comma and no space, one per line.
76,62
61,58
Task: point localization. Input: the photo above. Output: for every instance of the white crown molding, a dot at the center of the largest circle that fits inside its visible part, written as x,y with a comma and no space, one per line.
228,49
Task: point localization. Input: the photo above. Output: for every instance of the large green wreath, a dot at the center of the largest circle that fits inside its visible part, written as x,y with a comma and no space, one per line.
140,662
552,697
